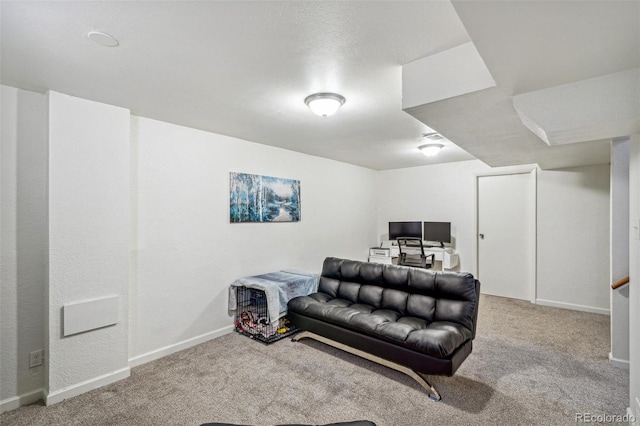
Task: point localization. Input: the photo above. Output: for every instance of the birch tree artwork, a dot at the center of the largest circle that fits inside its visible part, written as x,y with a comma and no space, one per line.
255,198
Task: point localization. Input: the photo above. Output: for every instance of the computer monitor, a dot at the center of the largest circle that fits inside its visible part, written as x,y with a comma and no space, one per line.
439,232
405,229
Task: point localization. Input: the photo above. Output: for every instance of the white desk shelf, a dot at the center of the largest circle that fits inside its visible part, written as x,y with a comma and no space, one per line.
386,254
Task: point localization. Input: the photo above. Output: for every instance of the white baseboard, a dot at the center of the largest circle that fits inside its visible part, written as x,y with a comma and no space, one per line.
20,400
618,363
89,385
86,386
176,347
601,311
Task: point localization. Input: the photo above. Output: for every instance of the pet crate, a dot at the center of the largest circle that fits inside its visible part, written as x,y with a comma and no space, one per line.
251,317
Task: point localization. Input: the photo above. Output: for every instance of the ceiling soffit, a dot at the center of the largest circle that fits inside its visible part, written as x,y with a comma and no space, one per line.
599,108
567,70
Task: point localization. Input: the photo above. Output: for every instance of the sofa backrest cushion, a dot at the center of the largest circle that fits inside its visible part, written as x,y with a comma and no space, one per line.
430,295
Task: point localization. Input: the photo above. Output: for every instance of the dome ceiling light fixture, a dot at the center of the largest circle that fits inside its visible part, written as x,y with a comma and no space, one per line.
324,104
431,149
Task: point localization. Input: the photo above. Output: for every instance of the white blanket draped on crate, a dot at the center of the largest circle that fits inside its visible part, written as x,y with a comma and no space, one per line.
279,287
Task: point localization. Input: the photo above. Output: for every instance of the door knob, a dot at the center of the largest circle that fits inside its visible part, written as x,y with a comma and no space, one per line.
482,236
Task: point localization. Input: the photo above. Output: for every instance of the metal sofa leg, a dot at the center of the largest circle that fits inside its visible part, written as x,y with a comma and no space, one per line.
431,391
418,377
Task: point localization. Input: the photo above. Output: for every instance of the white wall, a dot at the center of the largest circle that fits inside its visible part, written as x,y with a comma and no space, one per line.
573,238
438,193
619,298
572,223
187,253
89,228
634,273
184,251
441,192
23,228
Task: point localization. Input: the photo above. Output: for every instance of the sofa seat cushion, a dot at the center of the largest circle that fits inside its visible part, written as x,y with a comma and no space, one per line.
438,338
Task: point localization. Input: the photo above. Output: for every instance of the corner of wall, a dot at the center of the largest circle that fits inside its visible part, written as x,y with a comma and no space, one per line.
88,231
634,273
23,242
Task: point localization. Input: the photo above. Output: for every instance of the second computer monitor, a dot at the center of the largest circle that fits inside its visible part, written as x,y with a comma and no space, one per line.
439,232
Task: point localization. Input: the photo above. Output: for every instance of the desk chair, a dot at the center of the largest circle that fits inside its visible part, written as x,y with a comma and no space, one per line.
411,253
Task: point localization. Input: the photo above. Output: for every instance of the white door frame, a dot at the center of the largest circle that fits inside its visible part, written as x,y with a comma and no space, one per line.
525,169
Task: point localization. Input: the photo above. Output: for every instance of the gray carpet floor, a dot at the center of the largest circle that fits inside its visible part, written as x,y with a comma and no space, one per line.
531,365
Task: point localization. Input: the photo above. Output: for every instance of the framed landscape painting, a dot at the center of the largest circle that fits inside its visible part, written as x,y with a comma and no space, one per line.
255,198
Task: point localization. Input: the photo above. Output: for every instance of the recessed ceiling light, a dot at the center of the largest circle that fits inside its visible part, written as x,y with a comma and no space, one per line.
103,39
324,104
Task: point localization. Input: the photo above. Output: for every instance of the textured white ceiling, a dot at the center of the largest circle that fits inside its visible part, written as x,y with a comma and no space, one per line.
244,68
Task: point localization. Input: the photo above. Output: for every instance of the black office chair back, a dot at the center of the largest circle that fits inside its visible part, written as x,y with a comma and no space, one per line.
410,256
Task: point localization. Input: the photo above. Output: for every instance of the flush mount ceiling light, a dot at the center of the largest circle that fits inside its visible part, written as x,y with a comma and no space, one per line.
431,149
324,104
103,39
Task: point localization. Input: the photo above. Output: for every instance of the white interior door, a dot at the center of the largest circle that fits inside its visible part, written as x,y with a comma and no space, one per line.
506,235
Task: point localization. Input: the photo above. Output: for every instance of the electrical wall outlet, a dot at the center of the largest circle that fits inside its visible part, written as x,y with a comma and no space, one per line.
36,358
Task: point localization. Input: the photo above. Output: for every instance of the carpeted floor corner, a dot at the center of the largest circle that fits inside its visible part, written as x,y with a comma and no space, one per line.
531,365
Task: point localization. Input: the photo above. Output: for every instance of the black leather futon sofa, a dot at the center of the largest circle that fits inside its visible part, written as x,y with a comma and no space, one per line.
417,321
